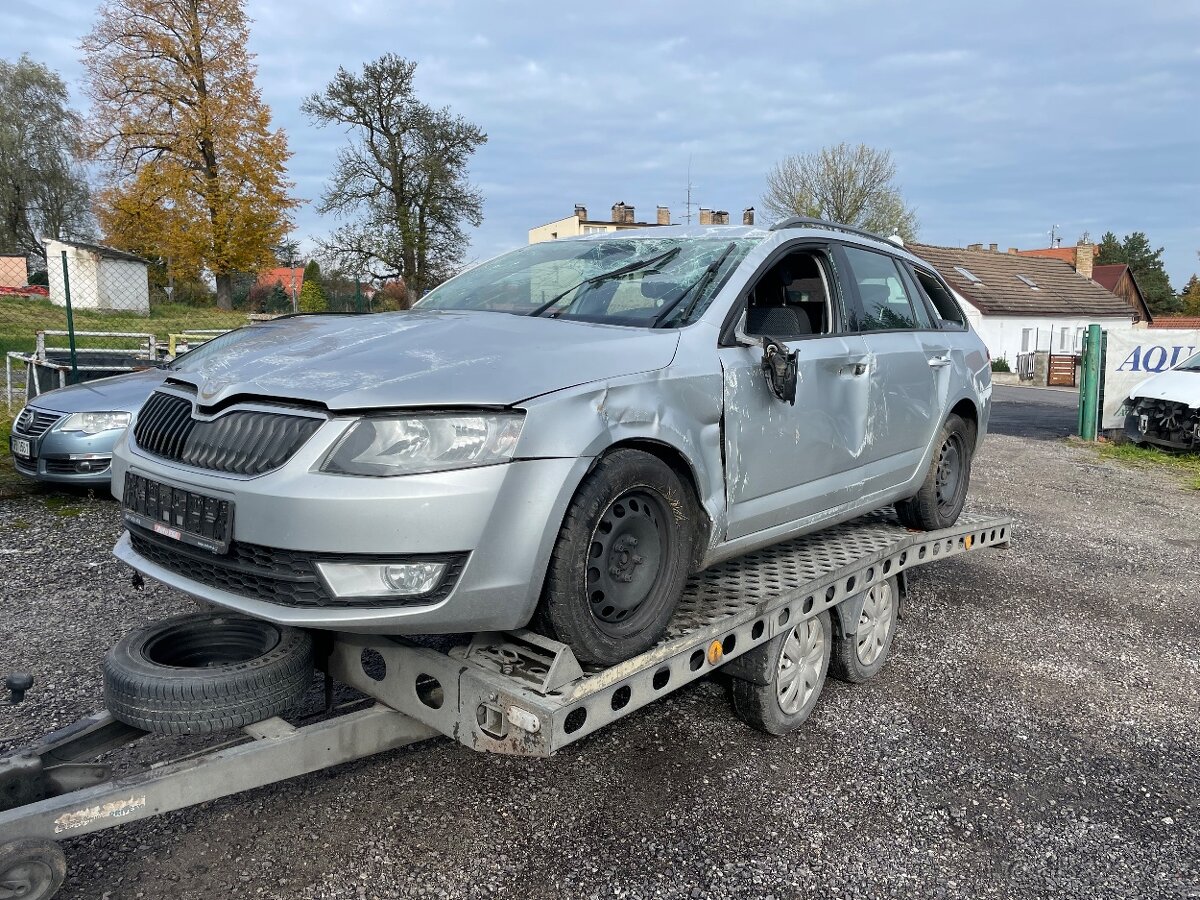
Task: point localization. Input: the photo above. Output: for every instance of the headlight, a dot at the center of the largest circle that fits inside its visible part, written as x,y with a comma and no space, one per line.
95,422
424,443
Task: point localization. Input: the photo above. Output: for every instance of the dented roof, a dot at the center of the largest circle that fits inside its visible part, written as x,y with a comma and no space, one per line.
1003,286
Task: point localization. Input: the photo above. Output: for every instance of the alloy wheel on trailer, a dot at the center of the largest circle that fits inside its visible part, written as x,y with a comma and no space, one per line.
801,666
950,472
31,870
875,623
626,557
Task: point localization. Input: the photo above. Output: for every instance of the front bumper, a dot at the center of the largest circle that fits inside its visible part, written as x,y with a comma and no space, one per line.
67,457
502,520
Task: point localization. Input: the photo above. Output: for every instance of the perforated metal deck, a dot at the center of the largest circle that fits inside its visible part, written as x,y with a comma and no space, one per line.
519,693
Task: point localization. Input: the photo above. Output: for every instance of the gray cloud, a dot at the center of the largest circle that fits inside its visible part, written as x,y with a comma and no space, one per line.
1002,119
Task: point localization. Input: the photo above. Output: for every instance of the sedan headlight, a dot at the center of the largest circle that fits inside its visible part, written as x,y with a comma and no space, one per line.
95,422
409,445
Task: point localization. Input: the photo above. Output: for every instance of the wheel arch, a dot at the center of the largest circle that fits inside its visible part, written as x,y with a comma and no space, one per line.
966,410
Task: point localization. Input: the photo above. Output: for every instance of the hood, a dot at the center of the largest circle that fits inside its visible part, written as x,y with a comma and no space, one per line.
424,358
122,393
1179,385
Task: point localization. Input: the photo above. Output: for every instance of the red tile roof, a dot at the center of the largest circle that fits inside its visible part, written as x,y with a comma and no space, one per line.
284,275
1189,322
1108,276
1066,254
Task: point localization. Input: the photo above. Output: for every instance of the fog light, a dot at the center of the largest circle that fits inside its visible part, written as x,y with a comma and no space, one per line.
373,580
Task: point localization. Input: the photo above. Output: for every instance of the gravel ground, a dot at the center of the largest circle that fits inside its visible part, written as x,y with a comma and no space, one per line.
1033,736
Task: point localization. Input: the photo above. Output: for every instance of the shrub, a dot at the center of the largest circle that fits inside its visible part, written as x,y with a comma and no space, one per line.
312,298
1001,364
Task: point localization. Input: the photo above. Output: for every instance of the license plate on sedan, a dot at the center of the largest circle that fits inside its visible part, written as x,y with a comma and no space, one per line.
178,514
21,448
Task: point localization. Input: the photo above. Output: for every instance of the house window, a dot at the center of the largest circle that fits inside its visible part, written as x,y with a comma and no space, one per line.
1026,334
1029,281
594,229
968,274
1062,338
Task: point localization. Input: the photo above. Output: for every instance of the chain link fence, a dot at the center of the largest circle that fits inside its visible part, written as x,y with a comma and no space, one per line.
94,312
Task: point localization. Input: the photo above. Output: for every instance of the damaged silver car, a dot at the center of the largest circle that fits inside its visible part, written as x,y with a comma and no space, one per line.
560,436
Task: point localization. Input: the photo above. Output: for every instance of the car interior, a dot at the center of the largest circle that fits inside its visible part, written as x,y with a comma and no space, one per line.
790,300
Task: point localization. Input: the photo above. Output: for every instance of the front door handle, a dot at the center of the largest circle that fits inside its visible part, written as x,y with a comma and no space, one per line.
937,362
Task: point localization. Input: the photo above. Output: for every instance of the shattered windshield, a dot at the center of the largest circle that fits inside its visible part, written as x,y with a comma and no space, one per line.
648,282
1191,364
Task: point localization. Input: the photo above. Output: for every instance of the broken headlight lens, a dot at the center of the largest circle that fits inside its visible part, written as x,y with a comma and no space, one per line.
410,445
95,422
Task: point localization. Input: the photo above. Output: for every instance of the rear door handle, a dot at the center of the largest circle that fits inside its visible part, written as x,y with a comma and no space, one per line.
937,362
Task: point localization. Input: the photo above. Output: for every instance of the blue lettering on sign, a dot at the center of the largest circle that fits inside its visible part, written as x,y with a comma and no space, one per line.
1154,358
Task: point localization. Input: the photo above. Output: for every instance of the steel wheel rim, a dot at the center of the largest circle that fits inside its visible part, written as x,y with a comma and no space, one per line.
949,476
25,880
874,623
801,665
626,557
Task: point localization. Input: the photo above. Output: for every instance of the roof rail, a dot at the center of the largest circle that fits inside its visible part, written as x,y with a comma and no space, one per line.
812,222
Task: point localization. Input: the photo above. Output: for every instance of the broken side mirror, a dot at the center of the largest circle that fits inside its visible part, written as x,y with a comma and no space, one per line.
781,367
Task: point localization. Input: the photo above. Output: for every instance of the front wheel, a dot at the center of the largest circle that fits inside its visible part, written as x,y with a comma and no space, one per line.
944,492
621,560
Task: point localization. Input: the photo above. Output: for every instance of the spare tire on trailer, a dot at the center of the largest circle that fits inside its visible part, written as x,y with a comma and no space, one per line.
206,672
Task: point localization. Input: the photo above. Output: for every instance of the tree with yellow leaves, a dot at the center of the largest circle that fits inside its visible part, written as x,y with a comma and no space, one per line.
195,173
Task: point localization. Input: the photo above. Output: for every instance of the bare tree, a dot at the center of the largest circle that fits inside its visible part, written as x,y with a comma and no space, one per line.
852,185
43,191
402,182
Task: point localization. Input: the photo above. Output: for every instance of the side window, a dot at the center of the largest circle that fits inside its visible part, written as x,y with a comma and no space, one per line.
947,310
791,299
885,302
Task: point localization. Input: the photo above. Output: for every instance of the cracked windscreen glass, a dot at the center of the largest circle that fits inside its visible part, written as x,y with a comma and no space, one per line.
645,282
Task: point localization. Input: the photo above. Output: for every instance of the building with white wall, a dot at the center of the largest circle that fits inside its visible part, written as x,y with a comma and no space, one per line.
1021,304
100,277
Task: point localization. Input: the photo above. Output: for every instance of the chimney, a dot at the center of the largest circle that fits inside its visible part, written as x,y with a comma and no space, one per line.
720,217
706,216
993,248
748,215
581,212
974,246
1014,251
1084,256
618,212
630,218
664,216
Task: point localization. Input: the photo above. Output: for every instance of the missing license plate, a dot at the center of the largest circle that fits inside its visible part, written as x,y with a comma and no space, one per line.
178,514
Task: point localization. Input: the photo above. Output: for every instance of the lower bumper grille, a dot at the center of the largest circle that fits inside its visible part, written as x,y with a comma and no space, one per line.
286,577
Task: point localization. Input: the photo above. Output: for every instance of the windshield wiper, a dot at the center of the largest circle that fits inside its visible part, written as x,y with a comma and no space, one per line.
605,276
698,286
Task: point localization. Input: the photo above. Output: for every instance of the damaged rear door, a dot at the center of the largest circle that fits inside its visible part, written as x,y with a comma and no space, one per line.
785,463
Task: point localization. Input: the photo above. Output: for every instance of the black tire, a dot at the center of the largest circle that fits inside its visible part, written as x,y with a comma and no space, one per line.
31,869
757,700
206,672
867,625
635,515
944,492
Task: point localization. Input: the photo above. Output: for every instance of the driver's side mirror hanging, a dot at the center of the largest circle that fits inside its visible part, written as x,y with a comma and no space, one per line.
781,369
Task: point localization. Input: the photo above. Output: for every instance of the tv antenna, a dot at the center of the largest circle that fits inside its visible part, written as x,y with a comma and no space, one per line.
1055,237
689,190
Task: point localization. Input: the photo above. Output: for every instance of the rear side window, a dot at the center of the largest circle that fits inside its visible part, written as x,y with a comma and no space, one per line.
885,302
947,309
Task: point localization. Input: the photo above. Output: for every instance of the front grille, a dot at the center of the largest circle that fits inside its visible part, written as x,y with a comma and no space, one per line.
34,422
75,466
243,442
286,577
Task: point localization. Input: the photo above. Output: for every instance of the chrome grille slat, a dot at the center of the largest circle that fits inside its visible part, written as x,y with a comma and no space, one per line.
33,422
243,442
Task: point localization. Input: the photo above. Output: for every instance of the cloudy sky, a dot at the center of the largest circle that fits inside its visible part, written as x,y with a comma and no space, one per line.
1003,119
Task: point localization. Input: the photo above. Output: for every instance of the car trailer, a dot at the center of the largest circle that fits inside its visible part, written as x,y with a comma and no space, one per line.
514,693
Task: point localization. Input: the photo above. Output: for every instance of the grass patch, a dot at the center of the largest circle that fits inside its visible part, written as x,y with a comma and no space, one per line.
21,319
1186,465
63,506
12,485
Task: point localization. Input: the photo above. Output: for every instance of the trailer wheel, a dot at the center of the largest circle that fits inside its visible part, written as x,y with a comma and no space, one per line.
944,492
623,555
868,623
788,674
31,870
206,672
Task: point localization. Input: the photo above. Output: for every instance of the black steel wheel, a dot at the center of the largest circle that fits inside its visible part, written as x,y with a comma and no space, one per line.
31,870
943,493
622,557
206,672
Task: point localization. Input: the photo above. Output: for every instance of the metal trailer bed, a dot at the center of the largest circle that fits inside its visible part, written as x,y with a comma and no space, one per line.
510,693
